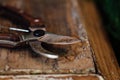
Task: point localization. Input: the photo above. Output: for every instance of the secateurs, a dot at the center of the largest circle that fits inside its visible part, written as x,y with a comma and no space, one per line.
29,30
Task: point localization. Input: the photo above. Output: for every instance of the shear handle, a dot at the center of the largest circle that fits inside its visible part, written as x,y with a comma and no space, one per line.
19,17
8,40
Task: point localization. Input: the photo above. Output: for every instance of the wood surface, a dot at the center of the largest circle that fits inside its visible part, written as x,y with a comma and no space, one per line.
52,77
60,17
104,55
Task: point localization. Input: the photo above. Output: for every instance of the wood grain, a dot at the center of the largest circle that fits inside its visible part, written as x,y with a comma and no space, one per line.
60,17
52,77
106,61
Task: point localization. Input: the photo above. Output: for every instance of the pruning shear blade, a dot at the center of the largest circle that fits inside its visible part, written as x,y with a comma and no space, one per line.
58,39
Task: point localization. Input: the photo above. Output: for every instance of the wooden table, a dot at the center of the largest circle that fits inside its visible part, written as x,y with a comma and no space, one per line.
68,16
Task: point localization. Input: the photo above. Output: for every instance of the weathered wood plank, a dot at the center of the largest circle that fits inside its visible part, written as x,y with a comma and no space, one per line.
61,17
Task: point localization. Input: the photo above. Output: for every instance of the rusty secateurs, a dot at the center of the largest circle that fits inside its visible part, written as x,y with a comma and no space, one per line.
29,30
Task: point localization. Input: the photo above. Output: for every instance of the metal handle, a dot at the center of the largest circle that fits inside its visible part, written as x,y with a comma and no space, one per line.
8,40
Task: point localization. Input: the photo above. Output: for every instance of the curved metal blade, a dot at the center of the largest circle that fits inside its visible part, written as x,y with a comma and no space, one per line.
58,39
36,47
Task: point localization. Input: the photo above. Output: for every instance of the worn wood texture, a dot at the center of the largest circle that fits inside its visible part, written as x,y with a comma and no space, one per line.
53,77
61,17
106,61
